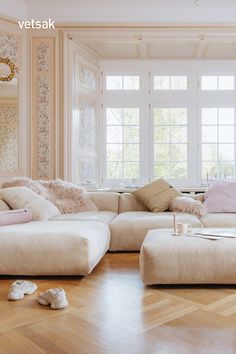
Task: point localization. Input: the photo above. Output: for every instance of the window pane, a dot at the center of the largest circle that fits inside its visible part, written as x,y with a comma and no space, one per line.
209,134
226,82
179,152
226,152
179,83
123,143
162,170
209,152
209,170
131,152
131,82
161,116
161,82
226,115
114,152
209,82
162,152
209,116
131,116
114,134
131,134
162,134
178,134
178,116
226,134
114,82
179,170
131,170
114,116
227,170
114,170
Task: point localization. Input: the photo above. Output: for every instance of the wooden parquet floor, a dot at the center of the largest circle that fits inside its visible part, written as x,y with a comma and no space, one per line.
112,312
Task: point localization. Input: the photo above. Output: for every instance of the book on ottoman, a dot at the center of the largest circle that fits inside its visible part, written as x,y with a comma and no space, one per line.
18,216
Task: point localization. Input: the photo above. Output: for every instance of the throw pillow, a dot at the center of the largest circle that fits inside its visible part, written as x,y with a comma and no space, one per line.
157,195
24,198
188,205
66,196
221,197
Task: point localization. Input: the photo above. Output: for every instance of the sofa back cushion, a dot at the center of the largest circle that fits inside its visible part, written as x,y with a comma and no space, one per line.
128,202
106,201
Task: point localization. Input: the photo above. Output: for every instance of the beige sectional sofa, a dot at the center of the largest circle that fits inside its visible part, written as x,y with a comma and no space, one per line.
74,243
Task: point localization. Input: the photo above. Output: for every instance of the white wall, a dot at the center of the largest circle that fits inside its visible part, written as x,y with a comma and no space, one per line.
14,8
134,10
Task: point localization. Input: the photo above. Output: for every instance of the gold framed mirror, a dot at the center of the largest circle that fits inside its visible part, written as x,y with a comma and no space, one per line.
8,69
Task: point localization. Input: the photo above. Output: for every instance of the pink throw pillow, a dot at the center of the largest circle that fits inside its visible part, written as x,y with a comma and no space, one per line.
221,197
11,217
188,205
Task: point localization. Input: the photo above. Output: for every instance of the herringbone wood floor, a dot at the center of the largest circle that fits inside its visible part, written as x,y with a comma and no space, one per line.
112,312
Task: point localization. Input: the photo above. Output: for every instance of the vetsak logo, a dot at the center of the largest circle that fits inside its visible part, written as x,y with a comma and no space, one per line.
49,24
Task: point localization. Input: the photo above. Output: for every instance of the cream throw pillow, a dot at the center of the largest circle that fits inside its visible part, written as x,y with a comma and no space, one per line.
24,198
157,195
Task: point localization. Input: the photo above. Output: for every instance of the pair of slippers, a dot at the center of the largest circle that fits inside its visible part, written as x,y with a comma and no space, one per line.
56,297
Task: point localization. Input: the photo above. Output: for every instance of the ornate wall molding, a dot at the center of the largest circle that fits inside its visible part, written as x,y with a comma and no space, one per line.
9,138
9,115
9,47
43,107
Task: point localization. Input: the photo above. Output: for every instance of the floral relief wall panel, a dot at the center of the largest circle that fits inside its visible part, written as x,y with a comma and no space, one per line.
8,138
9,46
9,120
43,107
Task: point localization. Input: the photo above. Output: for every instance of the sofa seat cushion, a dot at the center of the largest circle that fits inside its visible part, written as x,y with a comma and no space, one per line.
52,247
128,230
219,220
102,216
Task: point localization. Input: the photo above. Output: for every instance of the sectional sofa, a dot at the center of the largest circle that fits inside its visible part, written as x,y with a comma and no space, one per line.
74,243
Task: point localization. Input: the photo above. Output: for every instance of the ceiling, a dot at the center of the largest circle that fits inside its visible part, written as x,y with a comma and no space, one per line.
158,43
129,11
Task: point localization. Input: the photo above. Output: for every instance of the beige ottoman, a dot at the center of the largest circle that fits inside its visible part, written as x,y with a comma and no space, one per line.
166,259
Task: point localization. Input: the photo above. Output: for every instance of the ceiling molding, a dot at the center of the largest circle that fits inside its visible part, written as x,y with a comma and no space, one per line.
77,25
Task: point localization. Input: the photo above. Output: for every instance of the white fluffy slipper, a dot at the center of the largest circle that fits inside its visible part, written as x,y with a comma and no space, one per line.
20,288
54,297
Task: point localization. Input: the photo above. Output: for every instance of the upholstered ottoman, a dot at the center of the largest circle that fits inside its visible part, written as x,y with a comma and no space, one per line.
52,247
166,259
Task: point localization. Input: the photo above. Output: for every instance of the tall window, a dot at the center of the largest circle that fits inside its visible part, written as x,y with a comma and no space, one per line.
122,143
168,119
218,136
170,143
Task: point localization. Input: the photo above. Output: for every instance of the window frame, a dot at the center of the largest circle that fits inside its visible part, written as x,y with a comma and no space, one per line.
147,98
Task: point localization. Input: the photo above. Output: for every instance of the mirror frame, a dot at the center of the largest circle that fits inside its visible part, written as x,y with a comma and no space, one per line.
12,67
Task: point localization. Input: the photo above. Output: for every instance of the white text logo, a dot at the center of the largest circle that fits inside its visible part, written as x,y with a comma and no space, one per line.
49,24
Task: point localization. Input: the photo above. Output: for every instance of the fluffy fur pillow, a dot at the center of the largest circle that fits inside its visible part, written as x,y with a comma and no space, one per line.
66,196
188,205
